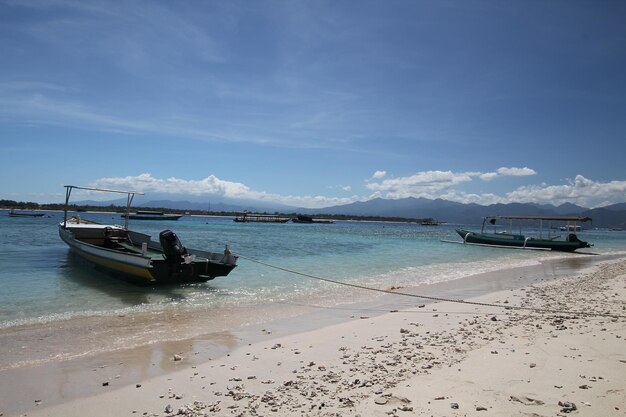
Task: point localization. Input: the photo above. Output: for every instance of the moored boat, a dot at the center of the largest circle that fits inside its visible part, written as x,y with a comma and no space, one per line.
568,243
431,222
246,217
14,213
309,220
137,258
151,215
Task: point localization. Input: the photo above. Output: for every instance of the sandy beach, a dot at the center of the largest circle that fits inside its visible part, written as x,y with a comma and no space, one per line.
435,359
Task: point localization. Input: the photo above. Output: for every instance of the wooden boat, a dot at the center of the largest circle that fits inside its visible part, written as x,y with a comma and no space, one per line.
134,256
309,220
569,243
259,218
14,213
151,215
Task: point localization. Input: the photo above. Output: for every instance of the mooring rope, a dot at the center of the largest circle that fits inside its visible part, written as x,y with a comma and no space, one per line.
433,298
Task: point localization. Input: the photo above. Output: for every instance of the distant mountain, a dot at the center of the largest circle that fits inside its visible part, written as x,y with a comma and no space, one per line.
404,207
566,209
608,217
219,204
616,207
444,210
613,216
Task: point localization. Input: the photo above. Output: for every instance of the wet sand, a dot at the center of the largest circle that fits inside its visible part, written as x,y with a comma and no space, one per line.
362,359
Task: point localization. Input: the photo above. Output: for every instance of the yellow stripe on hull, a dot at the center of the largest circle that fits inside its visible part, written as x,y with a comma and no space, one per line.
120,267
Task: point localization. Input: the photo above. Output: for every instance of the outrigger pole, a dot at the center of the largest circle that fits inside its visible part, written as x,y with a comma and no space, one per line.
129,199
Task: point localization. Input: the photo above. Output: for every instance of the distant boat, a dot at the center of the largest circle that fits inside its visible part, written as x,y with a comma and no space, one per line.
14,213
571,228
134,256
309,220
151,215
431,222
259,218
569,243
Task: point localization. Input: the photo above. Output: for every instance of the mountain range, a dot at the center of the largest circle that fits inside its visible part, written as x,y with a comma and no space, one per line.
410,208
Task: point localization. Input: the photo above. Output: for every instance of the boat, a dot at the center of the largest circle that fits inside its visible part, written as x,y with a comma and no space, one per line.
568,243
309,220
431,222
134,256
14,213
571,228
246,217
151,215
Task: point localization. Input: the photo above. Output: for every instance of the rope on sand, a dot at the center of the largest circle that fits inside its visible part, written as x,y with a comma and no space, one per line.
433,298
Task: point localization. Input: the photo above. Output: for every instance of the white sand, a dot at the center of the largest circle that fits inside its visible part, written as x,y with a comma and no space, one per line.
488,361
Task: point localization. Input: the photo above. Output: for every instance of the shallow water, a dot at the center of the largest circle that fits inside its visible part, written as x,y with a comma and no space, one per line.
50,296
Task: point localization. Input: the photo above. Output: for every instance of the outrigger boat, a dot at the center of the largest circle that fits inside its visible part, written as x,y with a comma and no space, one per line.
134,255
569,243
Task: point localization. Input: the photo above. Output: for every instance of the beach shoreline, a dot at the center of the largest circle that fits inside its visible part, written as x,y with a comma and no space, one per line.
82,380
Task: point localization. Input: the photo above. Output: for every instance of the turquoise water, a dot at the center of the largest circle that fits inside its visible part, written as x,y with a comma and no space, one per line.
42,282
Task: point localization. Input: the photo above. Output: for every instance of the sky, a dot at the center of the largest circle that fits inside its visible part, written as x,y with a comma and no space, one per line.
315,103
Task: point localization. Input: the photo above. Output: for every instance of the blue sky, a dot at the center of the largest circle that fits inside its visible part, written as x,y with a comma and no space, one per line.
315,103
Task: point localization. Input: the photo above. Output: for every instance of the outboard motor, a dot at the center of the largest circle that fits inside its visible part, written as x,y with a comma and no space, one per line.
173,250
573,238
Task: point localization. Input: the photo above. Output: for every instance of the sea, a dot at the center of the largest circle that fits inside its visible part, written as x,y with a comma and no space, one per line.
55,306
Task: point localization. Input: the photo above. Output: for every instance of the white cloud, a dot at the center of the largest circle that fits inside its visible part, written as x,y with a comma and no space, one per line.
429,184
581,191
507,172
516,172
445,185
213,186
422,184
488,176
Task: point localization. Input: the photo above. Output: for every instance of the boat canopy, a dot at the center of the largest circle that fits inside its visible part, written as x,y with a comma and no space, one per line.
551,218
129,199
492,220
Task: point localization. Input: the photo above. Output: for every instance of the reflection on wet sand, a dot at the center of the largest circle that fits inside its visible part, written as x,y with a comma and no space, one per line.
57,381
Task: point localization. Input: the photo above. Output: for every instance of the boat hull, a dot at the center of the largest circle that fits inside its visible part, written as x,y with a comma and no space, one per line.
11,214
153,217
520,241
144,266
239,220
